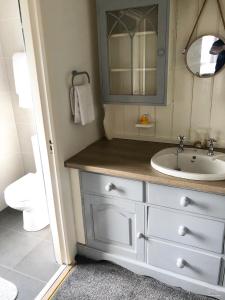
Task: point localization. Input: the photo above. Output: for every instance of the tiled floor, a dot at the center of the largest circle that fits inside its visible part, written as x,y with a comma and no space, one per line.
26,258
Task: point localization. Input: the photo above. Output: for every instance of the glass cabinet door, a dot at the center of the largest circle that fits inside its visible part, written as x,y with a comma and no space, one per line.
132,50
132,43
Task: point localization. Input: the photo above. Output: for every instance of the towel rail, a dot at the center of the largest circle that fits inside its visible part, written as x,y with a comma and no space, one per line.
76,73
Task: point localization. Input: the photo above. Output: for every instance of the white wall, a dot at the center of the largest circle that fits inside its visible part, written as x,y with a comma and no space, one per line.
11,39
71,43
195,103
70,40
11,163
16,124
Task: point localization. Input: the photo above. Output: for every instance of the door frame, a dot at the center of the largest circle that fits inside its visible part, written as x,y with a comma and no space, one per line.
33,33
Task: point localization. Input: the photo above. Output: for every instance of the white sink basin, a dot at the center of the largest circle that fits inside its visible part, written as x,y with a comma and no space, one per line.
192,164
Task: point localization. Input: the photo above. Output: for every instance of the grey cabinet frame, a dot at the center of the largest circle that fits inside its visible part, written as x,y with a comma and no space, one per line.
162,59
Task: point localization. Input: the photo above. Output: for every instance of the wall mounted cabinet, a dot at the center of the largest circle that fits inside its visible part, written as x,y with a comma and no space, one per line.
133,50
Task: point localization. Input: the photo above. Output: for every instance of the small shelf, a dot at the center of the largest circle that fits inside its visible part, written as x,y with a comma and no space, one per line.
135,69
142,33
149,125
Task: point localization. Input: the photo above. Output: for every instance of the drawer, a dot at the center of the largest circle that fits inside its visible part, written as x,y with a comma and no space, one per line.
187,200
112,186
183,261
186,229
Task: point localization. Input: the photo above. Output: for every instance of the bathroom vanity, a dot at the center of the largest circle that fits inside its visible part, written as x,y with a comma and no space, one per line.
168,228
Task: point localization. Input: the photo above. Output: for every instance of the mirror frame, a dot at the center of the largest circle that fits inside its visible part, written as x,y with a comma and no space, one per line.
207,76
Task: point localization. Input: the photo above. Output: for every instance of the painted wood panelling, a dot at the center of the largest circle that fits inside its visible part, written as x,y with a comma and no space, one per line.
193,103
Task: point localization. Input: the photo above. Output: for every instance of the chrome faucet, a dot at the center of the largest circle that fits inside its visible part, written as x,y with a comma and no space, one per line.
211,142
180,147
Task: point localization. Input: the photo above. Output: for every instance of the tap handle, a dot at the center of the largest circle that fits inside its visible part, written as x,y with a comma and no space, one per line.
212,141
181,138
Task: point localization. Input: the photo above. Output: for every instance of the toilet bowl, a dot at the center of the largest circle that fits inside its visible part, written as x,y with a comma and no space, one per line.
27,194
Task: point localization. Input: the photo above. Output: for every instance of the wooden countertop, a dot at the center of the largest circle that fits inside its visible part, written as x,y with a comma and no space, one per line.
131,159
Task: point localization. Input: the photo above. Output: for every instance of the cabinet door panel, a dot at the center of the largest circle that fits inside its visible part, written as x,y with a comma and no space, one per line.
112,225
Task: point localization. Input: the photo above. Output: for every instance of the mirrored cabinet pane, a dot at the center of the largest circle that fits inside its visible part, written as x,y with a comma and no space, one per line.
132,50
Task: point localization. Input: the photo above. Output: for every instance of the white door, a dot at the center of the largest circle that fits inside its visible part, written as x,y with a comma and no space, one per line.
34,48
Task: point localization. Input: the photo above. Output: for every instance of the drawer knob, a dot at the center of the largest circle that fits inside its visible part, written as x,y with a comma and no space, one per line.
180,263
184,201
140,235
109,187
182,230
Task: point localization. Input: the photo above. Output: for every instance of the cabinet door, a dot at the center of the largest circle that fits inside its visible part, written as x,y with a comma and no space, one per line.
112,225
133,50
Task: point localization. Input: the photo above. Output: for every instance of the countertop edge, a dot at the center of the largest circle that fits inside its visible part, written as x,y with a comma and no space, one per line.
173,182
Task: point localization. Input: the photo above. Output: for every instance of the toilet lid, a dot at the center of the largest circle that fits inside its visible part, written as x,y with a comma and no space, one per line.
24,189
8,290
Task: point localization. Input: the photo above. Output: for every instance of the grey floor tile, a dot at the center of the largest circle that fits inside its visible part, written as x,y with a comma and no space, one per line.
40,262
12,211
14,246
26,258
43,234
13,219
48,236
28,288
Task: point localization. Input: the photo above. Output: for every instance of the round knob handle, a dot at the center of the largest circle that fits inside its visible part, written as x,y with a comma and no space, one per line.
184,201
140,235
180,263
109,187
182,230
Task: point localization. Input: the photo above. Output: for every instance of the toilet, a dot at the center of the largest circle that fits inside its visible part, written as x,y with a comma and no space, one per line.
27,194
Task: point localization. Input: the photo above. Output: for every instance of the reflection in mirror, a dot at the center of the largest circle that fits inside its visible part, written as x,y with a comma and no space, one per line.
206,56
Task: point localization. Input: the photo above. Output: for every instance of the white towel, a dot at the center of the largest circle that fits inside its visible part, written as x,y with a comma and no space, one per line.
82,104
75,105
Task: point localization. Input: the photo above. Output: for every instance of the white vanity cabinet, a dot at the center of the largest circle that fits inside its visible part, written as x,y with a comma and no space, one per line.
172,234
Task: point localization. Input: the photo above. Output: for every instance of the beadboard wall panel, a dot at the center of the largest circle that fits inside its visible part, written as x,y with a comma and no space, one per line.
183,83
217,121
203,88
193,103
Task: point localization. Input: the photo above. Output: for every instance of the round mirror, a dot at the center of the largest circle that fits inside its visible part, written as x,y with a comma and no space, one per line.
206,56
